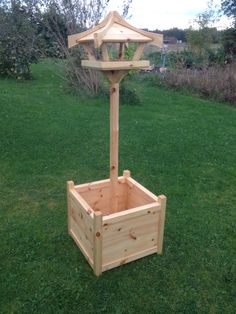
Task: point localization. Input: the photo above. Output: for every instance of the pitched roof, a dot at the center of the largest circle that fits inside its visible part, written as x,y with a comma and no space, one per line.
114,29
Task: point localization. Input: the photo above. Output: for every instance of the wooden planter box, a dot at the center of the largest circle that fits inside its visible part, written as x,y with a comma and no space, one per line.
108,239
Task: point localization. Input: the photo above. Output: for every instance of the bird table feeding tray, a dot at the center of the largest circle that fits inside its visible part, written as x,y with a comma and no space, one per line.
114,221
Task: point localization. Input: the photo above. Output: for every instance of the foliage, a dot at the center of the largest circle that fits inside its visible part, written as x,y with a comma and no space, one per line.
180,146
229,9
199,40
229,43
18,41
215,82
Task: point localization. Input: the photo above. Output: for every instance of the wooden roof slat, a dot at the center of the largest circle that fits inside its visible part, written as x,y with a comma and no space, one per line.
114,29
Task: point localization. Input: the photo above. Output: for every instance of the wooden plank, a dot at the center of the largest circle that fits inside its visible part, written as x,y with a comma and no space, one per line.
70,186
130,235
95,185
128,259
134,183
81,203
131,213
74,39
97,252
99,199
162,201
115,76
89,51
126,174
98,36
114,139
105,54
84,244
115,65
85,225
139,51
83,250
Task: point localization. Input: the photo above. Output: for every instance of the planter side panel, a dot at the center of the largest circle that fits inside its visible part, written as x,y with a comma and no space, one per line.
81,225
130,236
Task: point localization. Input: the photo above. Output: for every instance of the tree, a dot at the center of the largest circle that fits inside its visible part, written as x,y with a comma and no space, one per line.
229,9
201,39
18,48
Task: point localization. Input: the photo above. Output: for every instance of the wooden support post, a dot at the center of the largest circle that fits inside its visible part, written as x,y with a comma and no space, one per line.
70,185
114,139
161,224
97,253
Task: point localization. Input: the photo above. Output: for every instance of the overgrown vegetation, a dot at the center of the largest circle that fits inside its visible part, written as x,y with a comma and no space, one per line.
176,145
215,82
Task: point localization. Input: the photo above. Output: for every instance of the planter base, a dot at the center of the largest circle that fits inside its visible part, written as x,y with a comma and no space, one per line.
109,239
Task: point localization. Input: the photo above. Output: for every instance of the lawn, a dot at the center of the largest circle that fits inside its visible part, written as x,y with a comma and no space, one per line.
174,144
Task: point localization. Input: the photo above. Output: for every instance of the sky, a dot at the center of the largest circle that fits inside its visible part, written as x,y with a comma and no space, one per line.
166,14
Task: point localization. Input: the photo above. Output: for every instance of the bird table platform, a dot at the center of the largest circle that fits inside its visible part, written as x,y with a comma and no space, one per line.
114,221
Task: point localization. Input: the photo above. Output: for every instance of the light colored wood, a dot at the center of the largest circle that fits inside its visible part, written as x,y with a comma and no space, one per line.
114,139
115,65
131,213
121,237
95,185
82,249
74,39
115,76
105,54
89,51
81,203
122,51
97,250
139,51
134,183
128,259
98,36
70,186
126,237
99,199
115,29
162,201
126,174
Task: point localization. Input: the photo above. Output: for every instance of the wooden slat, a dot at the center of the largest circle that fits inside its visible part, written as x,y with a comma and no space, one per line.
162,201
114,138
97,252
81,246
98,36
81,203
133,183
115,65
139,51
84,243
99,199
70,186
105,54
95,185
89,51
129,235
128,259
131,213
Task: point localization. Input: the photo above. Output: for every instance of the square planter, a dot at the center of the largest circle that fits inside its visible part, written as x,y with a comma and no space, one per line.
108,239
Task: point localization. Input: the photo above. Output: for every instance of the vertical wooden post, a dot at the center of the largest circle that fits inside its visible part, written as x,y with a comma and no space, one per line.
70,185
114,140
97,248
161,223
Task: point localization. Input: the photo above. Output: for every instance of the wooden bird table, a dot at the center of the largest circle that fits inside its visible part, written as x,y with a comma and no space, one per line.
117,220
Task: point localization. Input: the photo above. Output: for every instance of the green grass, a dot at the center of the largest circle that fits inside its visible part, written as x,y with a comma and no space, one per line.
180,146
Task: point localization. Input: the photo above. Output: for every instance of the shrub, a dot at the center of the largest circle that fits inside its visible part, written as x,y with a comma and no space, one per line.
214,82
17,41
